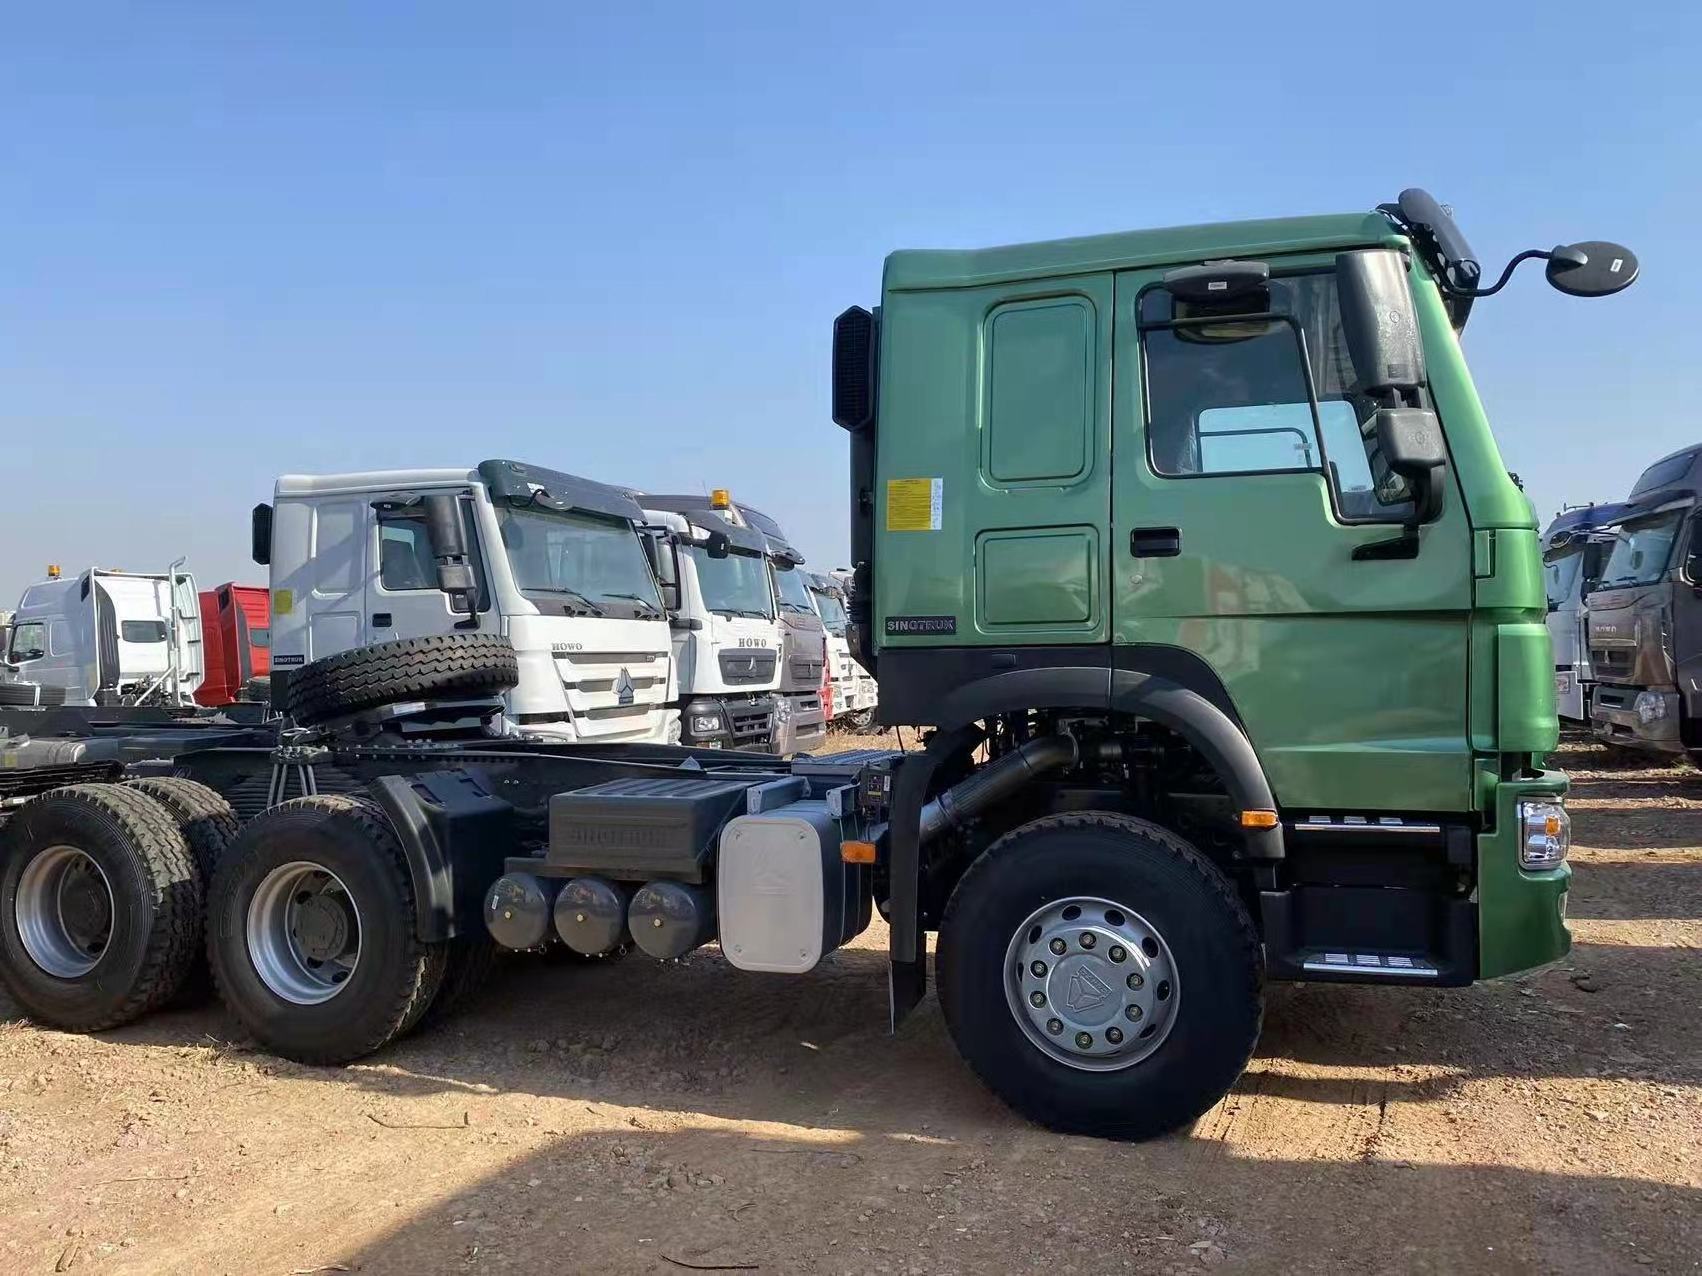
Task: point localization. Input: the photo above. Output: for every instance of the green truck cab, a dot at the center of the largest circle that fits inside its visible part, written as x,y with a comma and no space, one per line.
1195,549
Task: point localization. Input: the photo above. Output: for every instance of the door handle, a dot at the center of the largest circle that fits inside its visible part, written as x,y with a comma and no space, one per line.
1155,542
382,620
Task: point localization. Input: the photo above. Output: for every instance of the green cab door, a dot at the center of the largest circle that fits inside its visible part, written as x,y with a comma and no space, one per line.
1236,514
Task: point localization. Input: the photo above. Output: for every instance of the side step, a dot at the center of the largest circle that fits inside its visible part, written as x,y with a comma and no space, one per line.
1394,967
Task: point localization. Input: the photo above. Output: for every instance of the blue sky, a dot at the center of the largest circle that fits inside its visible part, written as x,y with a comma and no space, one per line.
244,239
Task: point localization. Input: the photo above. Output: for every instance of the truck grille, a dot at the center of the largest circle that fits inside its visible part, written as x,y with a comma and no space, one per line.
806,670
1611,662
745,665
751,724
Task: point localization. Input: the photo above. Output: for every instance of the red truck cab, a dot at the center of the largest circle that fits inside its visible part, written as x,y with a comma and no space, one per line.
236,635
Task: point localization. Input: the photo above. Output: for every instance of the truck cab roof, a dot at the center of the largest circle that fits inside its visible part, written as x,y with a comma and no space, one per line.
1135,249
513,481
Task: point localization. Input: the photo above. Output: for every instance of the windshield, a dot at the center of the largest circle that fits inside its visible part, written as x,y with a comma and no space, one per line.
794,593
736,585
1641,550
595,563
832,611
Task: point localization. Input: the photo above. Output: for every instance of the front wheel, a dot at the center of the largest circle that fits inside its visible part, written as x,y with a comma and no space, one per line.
1101,975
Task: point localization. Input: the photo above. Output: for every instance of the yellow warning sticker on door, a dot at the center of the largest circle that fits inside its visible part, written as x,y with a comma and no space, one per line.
283,602
913,504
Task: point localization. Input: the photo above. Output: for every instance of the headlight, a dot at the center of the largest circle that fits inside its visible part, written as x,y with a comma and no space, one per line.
1545,835
1650,706
705,723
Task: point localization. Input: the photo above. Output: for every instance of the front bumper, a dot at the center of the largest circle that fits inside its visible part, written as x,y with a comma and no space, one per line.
1521,914
739,722
800,723
1615,717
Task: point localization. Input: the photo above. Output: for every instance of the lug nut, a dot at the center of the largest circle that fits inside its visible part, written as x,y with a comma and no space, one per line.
1089,939
1054,1026
1114,1036
1057,946
1037,969
1133,1013
1118,953
1134,980
1037,999
1084,1041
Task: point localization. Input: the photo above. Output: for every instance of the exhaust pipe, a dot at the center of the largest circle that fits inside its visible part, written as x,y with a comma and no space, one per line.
998,780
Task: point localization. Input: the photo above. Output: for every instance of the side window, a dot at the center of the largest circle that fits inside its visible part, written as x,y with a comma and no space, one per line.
59,638
29,642
405,561
1232,393
1039,390
404,554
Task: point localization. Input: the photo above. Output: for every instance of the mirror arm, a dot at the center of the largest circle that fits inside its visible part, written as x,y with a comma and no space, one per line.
1529,254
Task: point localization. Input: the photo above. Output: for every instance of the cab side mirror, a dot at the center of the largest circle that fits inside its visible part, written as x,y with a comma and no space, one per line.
260,534
718,545
449,549
1379,323
1410,440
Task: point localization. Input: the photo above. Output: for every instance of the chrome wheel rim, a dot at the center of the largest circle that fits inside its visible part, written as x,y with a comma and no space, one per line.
64,912
304,933
1091,983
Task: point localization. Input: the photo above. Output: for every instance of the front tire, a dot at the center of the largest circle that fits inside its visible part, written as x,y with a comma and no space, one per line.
1101,975
310,932
100,907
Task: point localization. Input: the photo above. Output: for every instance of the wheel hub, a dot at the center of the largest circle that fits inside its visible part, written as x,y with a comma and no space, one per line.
1091,983
304,933
64,911
321,925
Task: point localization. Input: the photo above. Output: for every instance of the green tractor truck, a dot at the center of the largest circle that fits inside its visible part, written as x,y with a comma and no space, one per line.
1195,549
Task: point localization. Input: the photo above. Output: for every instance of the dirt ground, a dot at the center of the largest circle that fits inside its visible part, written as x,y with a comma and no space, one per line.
634,1117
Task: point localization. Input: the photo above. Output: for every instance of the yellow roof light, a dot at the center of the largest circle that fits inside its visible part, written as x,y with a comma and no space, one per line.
720,499
53,571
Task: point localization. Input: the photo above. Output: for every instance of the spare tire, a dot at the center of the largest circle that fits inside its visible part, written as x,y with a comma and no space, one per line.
440,667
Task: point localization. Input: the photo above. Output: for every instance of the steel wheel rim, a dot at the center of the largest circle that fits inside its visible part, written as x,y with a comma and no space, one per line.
64,912
1091,983
304,933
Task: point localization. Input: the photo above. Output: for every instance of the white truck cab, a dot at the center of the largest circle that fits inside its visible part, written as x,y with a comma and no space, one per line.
854,691
108,637
553,562
726,631
1575,547
800,720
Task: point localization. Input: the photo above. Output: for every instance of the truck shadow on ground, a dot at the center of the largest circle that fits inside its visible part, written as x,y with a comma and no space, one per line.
703,1038
652,1201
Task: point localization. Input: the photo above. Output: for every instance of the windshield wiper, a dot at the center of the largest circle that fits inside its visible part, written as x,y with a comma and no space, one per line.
574,594
650,608
741,611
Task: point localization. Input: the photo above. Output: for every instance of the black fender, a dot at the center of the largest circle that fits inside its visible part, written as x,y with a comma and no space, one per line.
455,833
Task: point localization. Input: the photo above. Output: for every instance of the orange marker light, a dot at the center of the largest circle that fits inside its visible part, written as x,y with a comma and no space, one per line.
720,498
1258,819
857,852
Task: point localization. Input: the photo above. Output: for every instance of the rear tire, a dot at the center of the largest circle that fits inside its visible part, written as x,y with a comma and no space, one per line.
1207,965
467,967
100,907
311,934
209,826
438,667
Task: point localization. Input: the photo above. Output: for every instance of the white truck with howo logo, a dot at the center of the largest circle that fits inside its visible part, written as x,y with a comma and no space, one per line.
714,579
854,691
551,562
